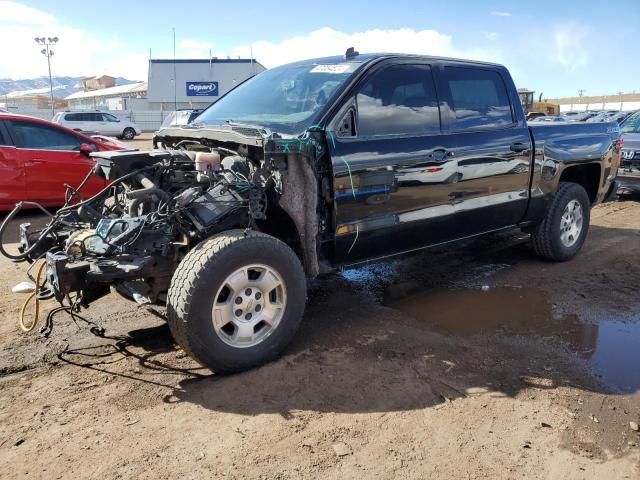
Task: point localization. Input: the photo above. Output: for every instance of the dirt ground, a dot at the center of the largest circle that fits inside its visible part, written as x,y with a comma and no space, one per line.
475,362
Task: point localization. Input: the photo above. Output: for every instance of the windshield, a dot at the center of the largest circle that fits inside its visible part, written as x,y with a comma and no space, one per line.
286,99
631,124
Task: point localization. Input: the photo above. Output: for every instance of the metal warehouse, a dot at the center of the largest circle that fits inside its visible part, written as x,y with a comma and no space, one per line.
195,83
179,83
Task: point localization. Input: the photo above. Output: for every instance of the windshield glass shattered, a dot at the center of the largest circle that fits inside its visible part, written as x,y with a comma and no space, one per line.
286,99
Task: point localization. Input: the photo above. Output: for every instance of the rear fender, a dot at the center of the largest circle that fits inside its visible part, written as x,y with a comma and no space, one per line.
556,156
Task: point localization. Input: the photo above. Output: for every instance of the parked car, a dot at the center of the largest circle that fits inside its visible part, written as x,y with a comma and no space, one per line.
580,117
600,117
113,142
609,116
227,223
177,118
181,117
629,172
38,157
98,122
618,117
548,119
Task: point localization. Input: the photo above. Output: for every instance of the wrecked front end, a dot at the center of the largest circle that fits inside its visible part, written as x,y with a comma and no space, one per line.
159,205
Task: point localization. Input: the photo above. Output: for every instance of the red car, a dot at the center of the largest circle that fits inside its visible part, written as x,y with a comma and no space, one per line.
38,157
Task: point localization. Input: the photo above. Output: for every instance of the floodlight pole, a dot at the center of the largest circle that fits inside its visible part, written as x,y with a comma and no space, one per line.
47,52
621,98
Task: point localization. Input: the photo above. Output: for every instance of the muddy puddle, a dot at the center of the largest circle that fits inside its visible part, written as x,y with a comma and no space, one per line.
610,346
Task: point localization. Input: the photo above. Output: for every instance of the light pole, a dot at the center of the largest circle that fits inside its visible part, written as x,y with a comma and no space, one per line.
621,94
47,52
580,95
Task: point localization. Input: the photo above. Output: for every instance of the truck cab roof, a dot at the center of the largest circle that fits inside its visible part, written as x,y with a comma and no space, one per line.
363,58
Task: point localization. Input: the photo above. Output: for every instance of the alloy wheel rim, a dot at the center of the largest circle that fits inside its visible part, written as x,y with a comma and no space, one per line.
249,305
571,223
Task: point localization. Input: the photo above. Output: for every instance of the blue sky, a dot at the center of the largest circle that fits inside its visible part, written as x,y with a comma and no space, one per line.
556,47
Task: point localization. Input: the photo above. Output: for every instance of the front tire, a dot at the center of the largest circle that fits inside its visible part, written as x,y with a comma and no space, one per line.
562,233
128,133
236,300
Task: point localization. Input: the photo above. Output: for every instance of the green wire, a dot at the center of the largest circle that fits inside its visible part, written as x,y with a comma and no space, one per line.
353,190
354,240
333,139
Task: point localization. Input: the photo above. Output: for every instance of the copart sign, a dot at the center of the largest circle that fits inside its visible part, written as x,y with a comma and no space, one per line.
202,89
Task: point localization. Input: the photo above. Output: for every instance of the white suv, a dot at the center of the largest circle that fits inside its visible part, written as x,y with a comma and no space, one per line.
98,122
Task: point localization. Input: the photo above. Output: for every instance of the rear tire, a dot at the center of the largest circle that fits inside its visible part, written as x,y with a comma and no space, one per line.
562,233
224,291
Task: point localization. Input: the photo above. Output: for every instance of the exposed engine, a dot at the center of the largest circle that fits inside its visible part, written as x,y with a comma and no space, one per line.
157,205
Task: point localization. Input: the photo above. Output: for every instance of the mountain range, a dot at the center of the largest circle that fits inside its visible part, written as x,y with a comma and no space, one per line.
62,86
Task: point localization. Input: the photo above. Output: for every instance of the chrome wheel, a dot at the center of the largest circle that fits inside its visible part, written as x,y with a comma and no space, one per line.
571,223
249,306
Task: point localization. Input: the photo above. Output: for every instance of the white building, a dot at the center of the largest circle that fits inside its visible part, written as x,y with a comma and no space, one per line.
122,97
195,83
172,84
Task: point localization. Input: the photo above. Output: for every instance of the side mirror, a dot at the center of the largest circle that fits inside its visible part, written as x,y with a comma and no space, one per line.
87,148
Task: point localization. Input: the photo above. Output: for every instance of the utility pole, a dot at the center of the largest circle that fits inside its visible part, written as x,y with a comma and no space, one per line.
620,93
175,86
580,94
47,52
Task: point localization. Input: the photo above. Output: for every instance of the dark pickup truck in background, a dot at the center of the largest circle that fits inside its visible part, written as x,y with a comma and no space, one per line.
310,167
629,171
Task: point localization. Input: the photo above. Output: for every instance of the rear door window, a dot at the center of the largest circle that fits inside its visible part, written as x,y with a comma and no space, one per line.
38,136
73,117
398,100
479,98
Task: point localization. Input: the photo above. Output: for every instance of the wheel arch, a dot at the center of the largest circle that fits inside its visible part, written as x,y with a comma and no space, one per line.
280,225
587,175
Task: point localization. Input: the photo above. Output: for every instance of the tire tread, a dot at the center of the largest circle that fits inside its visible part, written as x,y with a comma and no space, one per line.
190,272
543,238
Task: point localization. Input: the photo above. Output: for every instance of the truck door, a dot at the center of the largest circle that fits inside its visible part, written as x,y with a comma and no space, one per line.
12,174
392,176
484,129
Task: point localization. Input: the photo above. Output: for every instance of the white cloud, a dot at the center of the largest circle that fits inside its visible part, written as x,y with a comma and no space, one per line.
568,46
12,12
493,36
77,53
81,52
500,14
327,41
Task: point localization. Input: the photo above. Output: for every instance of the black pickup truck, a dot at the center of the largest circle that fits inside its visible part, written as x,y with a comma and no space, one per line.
308,168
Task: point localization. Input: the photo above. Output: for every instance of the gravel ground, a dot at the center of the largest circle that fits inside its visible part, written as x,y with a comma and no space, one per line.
475,362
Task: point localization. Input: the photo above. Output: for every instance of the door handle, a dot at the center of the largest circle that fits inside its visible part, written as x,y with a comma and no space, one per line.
34,161
519,147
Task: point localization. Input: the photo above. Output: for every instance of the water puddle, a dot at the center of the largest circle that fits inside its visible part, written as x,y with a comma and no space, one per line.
610,347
